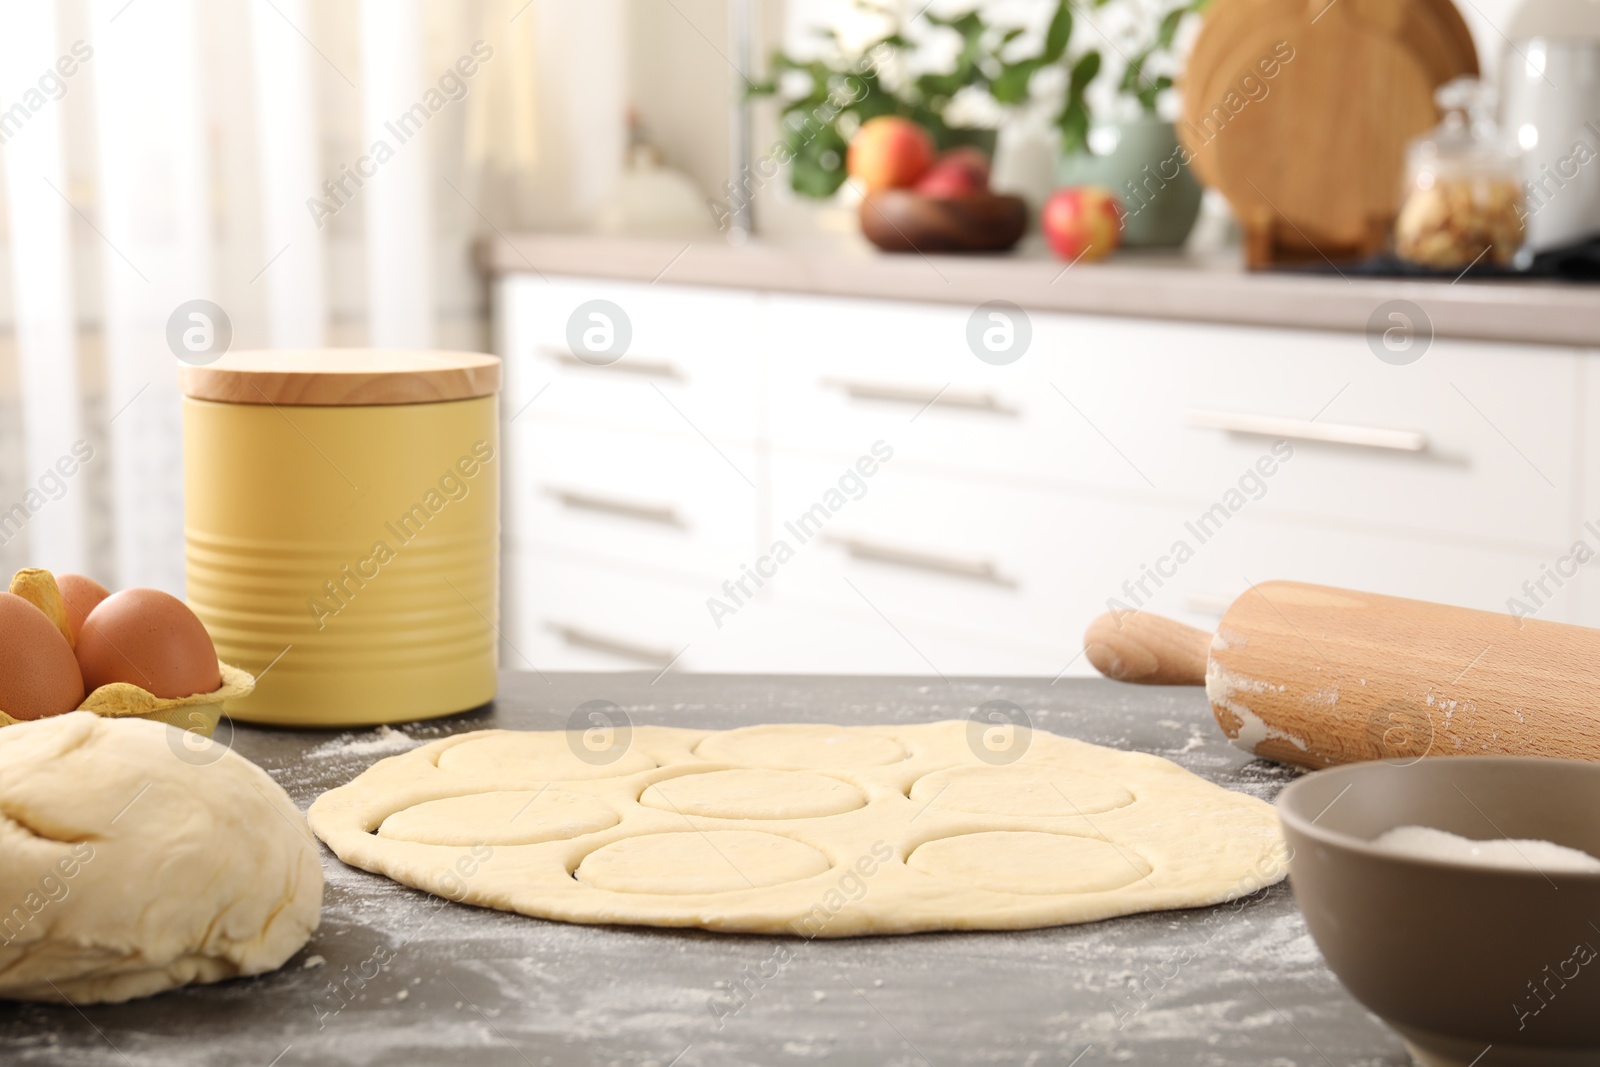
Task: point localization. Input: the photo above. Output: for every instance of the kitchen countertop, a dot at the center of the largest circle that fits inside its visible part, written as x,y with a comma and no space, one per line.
1235,984
1134,283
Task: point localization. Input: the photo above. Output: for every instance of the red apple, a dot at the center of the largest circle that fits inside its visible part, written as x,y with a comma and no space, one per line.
969,158
960,172
1083,222
889,152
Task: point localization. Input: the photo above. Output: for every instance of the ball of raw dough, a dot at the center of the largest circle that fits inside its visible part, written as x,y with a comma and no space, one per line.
133,861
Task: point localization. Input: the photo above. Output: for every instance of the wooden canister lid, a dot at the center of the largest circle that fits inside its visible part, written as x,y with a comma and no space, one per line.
343,377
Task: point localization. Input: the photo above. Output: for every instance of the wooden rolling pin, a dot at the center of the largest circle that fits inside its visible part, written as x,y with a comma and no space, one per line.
1315,676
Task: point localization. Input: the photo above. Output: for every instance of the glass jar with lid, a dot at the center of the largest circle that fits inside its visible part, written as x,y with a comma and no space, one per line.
1463,202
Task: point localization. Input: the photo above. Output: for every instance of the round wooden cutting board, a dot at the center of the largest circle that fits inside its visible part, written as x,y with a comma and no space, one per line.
1299,112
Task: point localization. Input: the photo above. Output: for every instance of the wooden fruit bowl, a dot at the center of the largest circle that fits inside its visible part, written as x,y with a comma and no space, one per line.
898,220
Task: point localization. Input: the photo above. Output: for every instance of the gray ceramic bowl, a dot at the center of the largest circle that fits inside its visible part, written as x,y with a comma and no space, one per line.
1470,965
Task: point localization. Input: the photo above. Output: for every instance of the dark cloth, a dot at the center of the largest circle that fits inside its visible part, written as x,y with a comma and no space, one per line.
1577,262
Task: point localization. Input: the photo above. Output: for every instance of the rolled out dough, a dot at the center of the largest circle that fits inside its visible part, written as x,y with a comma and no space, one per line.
821,831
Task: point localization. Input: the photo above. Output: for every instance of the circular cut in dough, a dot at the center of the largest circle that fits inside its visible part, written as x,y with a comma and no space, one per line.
801,747
1046,792
136,862
715,861
536,758
1027,861
521,817
754,795
1008,858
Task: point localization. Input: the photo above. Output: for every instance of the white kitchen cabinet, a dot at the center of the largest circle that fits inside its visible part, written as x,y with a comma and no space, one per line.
1174,409
1022,499
1494,430
784,639
637,499
1588,579
1251,550
1015,563
690,367
580,625
584,615
848,372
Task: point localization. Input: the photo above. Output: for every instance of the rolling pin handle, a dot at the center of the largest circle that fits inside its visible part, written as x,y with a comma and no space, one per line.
1148,649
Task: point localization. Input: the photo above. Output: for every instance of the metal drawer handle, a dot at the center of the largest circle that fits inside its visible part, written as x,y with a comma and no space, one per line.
644,368
578,637
920,396
981,570
1304,430
576,500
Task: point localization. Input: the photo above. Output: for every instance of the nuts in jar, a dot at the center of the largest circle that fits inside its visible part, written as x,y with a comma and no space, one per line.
1462,202
1453,222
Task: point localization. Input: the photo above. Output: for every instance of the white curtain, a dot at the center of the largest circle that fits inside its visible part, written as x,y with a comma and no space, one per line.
318,169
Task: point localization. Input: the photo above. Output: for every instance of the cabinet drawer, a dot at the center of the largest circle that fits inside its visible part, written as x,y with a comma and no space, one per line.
779,639
576,615
691,366
647,501
845,371
1251,549
1033,567
1589,403
1183,411
1474,441
583,617
1026,566
1589,491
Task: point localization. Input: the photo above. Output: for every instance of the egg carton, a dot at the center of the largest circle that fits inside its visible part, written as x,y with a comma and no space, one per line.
123,700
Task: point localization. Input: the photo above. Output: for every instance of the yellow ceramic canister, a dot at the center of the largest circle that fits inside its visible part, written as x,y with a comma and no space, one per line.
342,529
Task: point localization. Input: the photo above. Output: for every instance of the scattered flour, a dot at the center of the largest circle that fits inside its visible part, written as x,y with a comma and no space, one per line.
384,739
1422,842
1224,640
1222,686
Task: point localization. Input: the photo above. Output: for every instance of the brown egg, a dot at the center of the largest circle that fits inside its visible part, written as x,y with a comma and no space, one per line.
38,676
82,595
150,639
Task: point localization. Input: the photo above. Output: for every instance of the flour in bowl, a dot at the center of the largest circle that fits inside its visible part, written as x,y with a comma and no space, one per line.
1421,842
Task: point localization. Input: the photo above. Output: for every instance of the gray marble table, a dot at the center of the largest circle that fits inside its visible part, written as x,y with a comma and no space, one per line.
1237,984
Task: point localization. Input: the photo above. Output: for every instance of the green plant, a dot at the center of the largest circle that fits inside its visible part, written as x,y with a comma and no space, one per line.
842,90
1134,82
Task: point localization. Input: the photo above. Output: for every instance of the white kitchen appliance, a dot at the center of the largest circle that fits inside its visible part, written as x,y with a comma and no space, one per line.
1550,101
